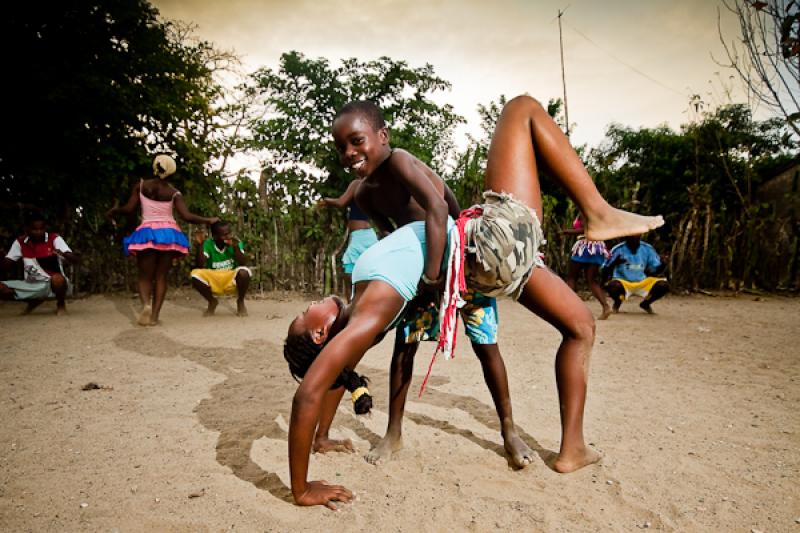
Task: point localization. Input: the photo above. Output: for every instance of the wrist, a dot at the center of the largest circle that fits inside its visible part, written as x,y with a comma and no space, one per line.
428,281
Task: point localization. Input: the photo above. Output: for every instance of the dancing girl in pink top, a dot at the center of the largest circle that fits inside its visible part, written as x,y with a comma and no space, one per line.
158,239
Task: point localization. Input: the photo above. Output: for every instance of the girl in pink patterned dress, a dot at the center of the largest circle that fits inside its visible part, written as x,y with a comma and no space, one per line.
158,240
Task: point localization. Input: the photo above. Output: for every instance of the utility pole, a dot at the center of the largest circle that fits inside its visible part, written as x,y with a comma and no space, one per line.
563,77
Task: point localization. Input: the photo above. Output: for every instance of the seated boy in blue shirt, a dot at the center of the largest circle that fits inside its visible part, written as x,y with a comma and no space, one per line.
634,267
220,267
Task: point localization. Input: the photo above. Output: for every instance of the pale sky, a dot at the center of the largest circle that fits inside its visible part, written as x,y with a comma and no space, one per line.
488,48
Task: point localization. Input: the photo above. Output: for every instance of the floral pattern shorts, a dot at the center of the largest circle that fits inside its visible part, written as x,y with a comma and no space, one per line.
421,321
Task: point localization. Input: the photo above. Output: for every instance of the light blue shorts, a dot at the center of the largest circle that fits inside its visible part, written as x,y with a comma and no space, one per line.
359,241
398,259
33,290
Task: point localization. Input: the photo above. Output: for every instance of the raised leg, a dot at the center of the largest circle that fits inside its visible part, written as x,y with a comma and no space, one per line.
494,373
550,298
526,135
400,372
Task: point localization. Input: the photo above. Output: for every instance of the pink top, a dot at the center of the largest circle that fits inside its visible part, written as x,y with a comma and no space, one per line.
155,210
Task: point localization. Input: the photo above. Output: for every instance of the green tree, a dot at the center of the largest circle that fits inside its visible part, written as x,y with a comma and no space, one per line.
100,87
302,97
703,179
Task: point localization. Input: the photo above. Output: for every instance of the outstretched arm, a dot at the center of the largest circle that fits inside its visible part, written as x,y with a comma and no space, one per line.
130,207
376,308
345,198
188,216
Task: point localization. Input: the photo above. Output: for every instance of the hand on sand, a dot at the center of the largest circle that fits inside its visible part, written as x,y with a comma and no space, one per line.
320,493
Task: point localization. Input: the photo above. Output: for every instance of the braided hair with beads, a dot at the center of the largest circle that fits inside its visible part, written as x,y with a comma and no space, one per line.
301,350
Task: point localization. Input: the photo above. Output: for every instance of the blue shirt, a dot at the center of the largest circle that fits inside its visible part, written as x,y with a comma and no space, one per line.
634,265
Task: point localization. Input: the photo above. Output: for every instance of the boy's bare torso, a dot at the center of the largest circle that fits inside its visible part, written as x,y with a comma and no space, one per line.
385,196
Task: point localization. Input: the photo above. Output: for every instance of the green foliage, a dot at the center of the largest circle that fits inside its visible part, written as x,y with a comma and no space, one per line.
303,95
703,179
99,89
300,100
102,87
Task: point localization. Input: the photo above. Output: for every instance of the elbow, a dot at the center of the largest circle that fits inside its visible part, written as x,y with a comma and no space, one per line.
439,209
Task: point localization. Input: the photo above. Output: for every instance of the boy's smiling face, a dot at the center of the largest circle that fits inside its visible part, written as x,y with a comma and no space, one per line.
360,146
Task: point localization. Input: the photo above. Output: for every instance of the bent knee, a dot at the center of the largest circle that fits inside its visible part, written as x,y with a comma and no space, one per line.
242,275
582,327
57,281
523,102
614,287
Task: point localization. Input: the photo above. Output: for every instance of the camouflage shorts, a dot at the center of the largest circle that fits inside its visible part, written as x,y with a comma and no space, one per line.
502,246
421,322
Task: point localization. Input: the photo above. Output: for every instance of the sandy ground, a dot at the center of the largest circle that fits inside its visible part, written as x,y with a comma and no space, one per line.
695,410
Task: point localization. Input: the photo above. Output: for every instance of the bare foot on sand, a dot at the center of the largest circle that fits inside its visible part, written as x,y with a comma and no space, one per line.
615,308
520,453
212,306
61,310
383,451
566,463
605,314
645,305
332,445
241,309
618,223
145,315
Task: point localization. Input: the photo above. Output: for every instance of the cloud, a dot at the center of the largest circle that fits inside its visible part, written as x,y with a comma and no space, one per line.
490,48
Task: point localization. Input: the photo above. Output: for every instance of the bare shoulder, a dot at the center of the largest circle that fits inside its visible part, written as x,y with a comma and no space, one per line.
404,164
402,157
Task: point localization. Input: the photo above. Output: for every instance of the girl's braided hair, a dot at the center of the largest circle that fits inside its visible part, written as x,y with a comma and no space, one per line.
300,351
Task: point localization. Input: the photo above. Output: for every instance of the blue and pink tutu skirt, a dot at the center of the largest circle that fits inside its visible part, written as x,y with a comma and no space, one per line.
589,252
163,236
